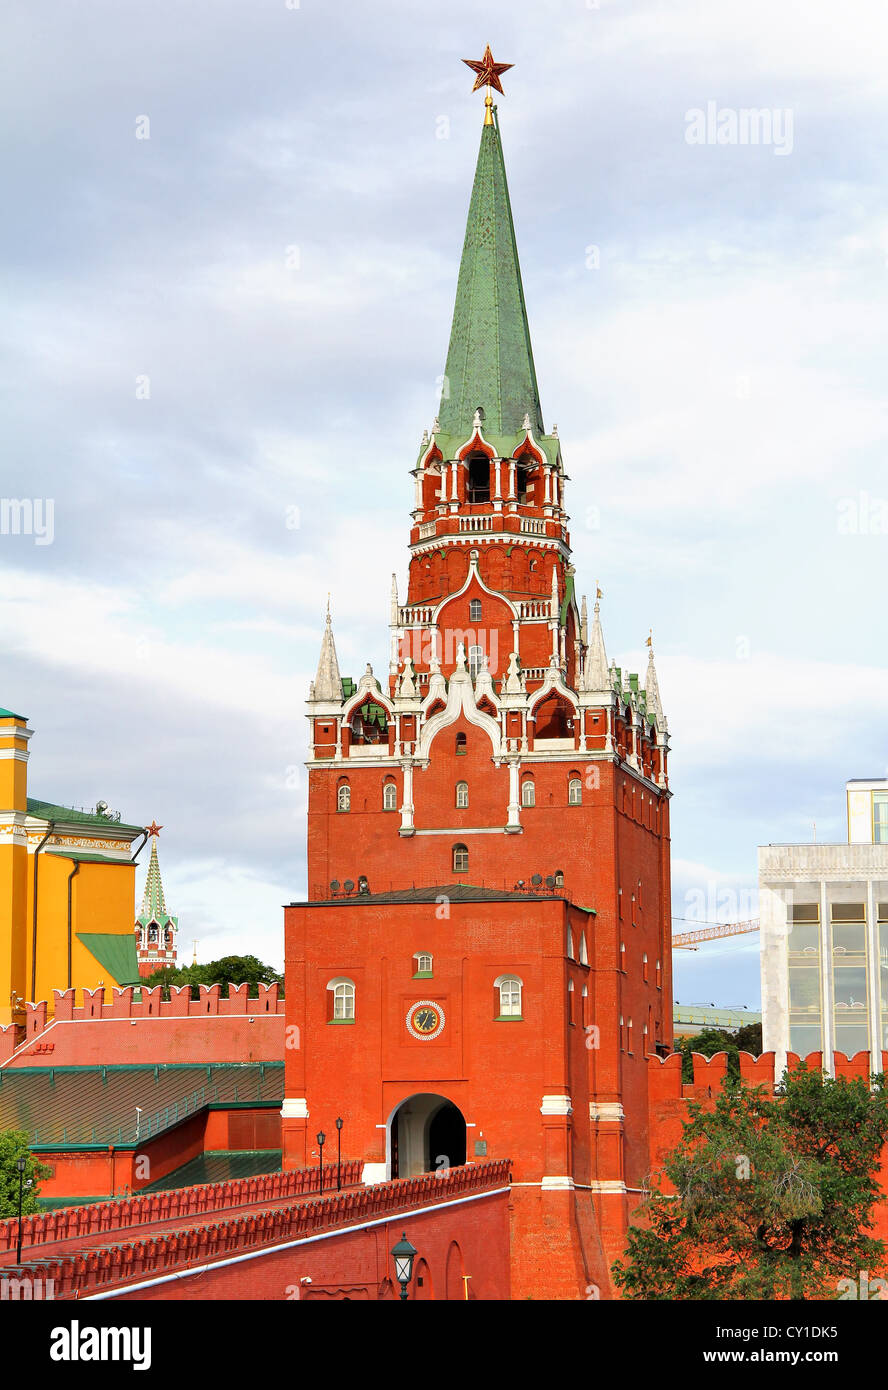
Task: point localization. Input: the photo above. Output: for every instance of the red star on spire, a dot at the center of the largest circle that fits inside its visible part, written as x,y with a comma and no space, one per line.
488,71
154,828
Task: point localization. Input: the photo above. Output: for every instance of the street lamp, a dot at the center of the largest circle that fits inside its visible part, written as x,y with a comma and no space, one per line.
403,1255
322,1138
20,1165
339,1154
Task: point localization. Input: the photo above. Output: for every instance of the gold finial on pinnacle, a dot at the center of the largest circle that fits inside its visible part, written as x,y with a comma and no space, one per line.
487,74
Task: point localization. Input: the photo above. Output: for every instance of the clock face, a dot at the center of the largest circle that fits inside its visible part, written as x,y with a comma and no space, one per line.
425,1020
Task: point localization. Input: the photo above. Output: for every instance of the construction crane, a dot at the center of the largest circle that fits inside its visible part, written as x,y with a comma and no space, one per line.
687,940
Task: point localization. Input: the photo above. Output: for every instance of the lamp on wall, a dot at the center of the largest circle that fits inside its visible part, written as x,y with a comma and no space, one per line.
403,1255
322,1139
20,1165
339,1153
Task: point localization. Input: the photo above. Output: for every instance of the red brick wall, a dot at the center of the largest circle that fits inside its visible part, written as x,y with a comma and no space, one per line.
471,1239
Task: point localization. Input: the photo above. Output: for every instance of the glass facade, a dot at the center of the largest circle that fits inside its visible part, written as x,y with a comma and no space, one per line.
849,977
805,1012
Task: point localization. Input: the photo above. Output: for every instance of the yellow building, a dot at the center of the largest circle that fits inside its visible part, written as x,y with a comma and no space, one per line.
67,889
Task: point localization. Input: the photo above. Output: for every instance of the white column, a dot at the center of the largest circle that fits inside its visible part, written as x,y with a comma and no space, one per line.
407,827
512,466
872,951
454,495
497,493
547,485
514,821
826,991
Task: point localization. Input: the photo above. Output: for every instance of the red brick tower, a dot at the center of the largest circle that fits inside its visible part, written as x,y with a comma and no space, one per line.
483,965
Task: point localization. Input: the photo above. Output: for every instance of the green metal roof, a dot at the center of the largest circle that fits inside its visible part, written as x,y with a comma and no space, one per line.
8,714
49,810
154,907
219,1165
116,952
71,1107
88,857
490,359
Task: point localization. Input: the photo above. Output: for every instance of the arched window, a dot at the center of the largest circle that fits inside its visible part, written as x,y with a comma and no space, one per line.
559,878
460,859
584,955
475,610
344,797
569,944
528,792
423,963
509,987
461,744
570,1001
390,797
585,1007
476,661
462,796
342,992
575,792
478,481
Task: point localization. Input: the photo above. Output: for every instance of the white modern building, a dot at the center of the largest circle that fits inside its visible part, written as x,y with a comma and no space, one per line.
824,937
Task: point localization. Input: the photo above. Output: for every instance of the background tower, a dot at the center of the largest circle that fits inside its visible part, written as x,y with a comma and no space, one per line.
156,929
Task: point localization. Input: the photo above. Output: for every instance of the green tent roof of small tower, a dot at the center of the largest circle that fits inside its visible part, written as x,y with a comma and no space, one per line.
490,359
154,907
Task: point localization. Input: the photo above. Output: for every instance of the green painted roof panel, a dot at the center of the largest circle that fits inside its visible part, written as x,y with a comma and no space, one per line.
116,952
72,1106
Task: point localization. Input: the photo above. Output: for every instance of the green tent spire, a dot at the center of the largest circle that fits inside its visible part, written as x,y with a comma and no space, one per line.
153,903
490,359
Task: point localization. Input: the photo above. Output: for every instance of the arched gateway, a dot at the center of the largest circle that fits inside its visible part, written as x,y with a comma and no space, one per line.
425,1134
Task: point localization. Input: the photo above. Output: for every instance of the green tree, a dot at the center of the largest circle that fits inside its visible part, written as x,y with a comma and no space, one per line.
14,1145
764,1197
711,1040
234,970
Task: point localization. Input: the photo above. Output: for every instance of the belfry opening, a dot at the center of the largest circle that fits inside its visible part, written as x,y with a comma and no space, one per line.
426,1134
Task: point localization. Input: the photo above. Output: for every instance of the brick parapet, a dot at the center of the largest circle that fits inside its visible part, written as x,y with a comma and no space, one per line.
110,1265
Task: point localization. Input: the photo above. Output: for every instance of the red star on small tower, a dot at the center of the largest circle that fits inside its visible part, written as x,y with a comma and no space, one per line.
488,71
154,828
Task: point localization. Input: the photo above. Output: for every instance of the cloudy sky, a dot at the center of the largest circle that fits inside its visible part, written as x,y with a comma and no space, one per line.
230,242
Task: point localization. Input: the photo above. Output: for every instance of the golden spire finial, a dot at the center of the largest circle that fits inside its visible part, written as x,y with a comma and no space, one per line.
488,108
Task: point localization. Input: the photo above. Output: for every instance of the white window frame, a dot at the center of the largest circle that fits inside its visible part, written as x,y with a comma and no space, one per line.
343,998
511,992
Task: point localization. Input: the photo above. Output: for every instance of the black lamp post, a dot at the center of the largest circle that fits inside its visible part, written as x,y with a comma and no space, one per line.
20,1165
322,1139
339,1154
403,1255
